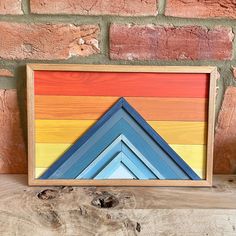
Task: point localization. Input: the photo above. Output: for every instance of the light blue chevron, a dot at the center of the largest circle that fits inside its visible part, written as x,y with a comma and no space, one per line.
121,173
120,168
121,145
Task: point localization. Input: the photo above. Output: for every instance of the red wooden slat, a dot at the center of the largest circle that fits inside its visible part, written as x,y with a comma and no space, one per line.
121,84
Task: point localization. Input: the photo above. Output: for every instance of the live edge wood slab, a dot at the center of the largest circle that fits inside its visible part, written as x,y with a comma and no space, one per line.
109,211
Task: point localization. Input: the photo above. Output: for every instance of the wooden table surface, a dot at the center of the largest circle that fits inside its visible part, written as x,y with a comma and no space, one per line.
117,210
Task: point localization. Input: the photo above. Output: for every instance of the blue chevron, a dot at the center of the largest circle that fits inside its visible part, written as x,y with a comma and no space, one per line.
121,145
128,167
121,119
90,150
121,172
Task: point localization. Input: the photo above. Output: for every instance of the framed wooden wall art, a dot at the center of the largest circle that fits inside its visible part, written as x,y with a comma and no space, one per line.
107,125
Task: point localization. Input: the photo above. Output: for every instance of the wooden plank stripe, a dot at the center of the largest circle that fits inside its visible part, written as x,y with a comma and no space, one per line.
48,153
193,155
68,131
92,108
121,84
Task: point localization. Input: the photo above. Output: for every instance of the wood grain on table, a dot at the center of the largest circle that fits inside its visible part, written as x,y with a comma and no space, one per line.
67,211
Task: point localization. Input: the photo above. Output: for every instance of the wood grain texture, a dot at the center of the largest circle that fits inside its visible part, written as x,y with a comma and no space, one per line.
58,211
119,183
89,108
122,68
221,196
47,153
193,155
121,84
214,77
68,131
59,131
12,146
30,122
225,139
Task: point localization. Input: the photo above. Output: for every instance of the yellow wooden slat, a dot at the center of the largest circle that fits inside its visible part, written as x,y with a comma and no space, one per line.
193,155
39,172
61,131
48,153
68,131
177,132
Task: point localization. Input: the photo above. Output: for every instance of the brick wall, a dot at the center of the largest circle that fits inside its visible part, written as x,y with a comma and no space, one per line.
167,32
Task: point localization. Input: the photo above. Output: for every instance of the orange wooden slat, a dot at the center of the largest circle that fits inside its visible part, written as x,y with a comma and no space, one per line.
151,108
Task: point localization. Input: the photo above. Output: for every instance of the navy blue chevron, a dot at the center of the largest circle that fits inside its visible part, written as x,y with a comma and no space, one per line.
121,119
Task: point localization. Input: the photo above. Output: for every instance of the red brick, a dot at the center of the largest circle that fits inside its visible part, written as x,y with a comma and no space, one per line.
12,147
140,42
47,41
225,137
95,7
201,9
10,7
5,73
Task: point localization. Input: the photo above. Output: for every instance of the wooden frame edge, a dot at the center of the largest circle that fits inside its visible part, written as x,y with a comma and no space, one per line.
211,124
122,68
125,183
30,122
212,71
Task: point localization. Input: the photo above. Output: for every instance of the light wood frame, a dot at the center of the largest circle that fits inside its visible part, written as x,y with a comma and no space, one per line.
212,71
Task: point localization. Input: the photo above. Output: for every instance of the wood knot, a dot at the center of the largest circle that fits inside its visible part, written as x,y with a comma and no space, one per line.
138,227
48,194
66,189
105,200
50,218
